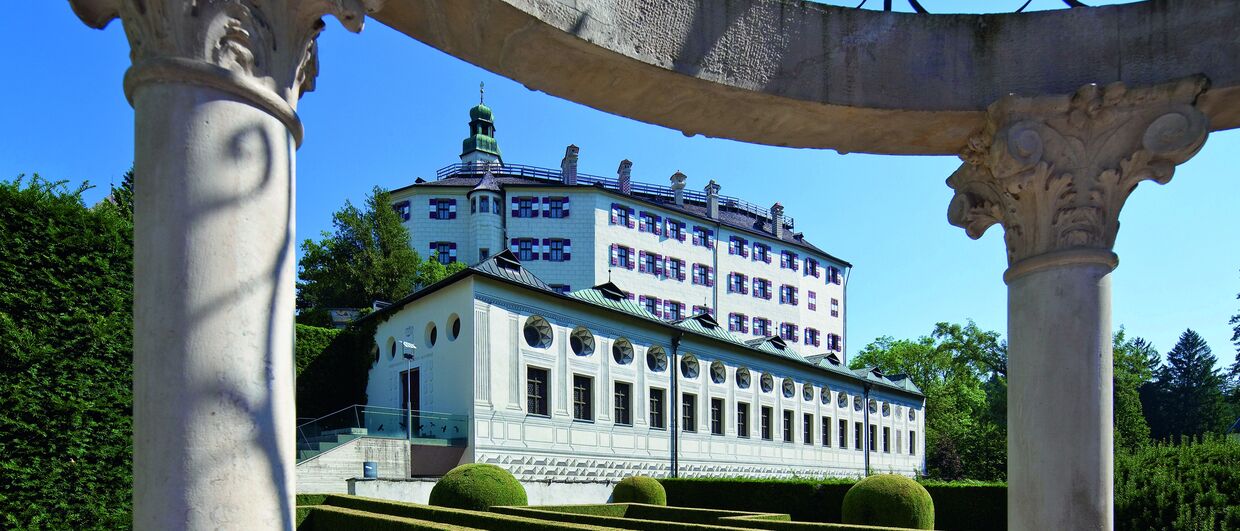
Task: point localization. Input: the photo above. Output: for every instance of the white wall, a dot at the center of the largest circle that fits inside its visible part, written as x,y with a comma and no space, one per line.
537,493
328,472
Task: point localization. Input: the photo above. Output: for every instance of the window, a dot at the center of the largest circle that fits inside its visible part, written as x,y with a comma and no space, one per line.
811,267
835,342
561,288
762,288
673,311
912,442
656,359
699,310
445,252
583,398
537,332
651,304
624,402
826,431
738,283
622,256
703,237
835,307
873,438
716,416
761,252
788,260
536,391
494,205
689,367
621,215
787,295
649,263
688,413
648,222
443,208
811,336
856,435
402,210
622,351
813,301
843,435
737,322
558,250
581,342
742,420
525,207
555,207
676,230
484,253
807,429
787,425
738,246
675,269
766,423
886,440
484,206
761,327
657,420
703,275
525,249
834,275
788,331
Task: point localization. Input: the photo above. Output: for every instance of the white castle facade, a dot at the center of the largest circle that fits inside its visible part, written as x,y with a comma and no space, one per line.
609,328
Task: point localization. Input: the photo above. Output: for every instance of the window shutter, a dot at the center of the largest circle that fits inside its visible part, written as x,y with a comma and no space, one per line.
641,262
657,229
546,249
565,207
568,249
631,260
516,207
680,272
434,204
614,218
630,211
710,276
546,207
451,209
614,260
434,245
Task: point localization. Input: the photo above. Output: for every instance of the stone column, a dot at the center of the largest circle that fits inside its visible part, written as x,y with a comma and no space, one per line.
214,85
1055,172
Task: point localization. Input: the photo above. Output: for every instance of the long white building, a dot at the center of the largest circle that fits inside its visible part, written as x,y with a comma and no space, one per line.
590,385
678,252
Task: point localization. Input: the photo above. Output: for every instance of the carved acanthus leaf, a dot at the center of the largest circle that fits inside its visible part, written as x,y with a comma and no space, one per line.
1055,171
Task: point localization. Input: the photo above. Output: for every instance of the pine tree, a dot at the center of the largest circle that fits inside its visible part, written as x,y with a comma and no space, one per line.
1132,359
1189,390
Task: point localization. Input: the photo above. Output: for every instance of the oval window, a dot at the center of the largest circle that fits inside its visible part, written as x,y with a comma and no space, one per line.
826,396
742,378
581,341
718,373
432,334
886,410
856,403
689,366
656,359
843,400
622,351
873,406
807,392
912,414
790,388
537,332
768,383
454,327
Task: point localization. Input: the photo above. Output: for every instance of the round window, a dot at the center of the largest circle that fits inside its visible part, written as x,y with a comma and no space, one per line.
790,388
912,414
886,410
537,332
718,373
656,359
689,366
392,347
581,341
843,400
432,334
873,406
856,403
826,396
742,378
454,327
768,383
622,351
807,392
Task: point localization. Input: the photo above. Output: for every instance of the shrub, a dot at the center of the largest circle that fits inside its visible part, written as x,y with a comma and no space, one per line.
1192,485
806,500
889,500
332,367
639,489
968,505
477,486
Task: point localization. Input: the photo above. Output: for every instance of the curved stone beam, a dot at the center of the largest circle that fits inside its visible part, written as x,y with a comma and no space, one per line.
809,75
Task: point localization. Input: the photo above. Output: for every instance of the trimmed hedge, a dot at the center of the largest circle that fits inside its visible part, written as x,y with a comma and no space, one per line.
639,489
1191,485
332,368
446,515
890,500
634,516
477,486
968,505
326,518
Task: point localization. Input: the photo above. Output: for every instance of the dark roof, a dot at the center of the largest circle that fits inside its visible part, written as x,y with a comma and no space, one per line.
487,183
741,220
505,267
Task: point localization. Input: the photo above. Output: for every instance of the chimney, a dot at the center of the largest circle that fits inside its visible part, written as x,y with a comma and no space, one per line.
712,199
623,175
678,188
568,166
777,220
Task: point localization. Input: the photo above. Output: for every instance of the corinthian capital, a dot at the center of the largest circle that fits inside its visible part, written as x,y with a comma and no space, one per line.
263,50
1056,170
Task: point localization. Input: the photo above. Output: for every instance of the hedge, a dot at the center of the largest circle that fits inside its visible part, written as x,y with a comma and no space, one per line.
326,518
444,515
1193,485
889,500
478,487
958,506
642,517
639,489
332,368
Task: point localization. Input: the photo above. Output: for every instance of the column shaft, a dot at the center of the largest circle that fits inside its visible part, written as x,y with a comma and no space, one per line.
1059,399
213,312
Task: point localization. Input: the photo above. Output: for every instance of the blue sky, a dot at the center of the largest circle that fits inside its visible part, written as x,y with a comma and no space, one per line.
388,109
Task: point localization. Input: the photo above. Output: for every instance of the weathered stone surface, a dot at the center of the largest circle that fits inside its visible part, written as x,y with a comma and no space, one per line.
809,75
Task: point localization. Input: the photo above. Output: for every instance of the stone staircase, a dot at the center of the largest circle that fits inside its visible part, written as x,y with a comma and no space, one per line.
313,446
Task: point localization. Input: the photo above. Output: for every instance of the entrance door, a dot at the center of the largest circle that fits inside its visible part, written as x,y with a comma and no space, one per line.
410,396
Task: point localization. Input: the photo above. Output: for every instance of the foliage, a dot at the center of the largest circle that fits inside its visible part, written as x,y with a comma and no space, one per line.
888,500
962,371
66,359
465,519
1186,397
1134,363
639,489
333,367
1193,485
968,505
477,486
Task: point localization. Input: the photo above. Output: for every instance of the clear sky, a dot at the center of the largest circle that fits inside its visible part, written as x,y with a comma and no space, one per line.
388,109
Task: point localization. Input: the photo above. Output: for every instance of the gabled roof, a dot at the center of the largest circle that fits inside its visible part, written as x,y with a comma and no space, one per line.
605,295
505,265
774,345
704,324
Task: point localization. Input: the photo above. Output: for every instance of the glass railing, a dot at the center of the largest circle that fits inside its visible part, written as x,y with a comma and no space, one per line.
429,428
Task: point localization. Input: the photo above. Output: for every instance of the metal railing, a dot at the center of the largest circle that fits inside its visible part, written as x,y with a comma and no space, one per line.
429,428
553,175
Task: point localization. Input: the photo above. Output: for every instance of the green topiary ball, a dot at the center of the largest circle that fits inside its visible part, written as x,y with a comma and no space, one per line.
477,486
639,489
889,500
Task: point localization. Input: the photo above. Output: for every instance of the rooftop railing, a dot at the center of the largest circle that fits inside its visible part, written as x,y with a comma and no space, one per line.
554,175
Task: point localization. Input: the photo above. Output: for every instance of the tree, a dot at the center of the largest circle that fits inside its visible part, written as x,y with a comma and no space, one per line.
1134,363
1188,391
367,258
1233,372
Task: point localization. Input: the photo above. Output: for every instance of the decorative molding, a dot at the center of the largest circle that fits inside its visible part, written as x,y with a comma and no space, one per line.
262,50
1056,170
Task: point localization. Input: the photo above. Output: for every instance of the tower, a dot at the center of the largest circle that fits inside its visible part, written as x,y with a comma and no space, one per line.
480,146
